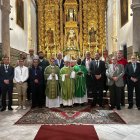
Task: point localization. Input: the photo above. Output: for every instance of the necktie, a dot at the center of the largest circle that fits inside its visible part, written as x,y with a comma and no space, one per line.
134,67
35,72
6,68
114,67
97,63
59,62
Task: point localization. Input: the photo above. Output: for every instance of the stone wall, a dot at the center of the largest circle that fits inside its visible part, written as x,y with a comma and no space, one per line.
14,55
117,36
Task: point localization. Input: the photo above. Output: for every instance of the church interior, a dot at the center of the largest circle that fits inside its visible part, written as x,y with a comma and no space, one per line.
71,27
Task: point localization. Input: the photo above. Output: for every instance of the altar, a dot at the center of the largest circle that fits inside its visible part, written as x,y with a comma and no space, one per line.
71,27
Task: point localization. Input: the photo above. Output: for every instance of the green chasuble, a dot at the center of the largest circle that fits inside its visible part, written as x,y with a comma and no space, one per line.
68,85
80,81
52,87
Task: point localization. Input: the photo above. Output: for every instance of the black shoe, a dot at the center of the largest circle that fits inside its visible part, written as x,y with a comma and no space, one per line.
118,108
101,106
40,106
138,108
82,104
93,105
3,109
111,107
10,108
130,107
123,105
33,107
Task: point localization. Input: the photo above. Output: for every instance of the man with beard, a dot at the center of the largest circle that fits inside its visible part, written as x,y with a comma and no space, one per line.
43,63
97,70
86,63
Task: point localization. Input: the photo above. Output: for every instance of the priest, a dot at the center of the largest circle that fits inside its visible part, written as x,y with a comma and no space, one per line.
67,75
80,82
51,75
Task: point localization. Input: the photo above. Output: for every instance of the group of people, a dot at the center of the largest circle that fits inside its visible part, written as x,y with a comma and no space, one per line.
56,82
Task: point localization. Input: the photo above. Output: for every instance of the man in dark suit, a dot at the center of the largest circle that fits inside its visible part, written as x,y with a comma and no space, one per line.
86,63
6,79
43,63
59,61
132,72
97,70
36,83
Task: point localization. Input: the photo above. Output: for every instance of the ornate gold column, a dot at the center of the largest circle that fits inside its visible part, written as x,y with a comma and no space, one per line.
101,25
81,35
41,25
57,27
85,27
61,26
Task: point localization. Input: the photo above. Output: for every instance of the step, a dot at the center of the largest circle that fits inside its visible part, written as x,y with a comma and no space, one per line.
15,102
15,96
14,90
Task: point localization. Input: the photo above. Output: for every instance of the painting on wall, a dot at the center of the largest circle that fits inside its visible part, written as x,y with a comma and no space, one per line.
20,13
124,12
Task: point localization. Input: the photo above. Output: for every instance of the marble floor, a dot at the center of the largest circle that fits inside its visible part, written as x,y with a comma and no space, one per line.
129,131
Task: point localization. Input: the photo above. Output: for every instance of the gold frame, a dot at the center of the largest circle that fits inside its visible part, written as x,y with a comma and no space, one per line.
124,12
20,13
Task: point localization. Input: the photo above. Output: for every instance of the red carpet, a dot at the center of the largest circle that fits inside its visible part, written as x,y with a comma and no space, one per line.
66,132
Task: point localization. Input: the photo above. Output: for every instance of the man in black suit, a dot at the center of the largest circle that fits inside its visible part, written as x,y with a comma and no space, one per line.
6,79
97,69
59,61
43,63
132,72
86,63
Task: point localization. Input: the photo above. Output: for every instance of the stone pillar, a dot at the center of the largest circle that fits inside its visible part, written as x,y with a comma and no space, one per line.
5,9
29,25
136,25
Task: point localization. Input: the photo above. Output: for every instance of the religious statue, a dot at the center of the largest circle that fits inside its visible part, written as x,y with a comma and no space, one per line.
71,38
71,15
92,33
50,36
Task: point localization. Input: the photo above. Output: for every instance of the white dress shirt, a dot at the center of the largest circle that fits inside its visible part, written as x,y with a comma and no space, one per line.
59,62
21,74
87,63
97,63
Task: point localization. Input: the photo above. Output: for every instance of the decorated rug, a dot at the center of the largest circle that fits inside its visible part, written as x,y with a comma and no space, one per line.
71,115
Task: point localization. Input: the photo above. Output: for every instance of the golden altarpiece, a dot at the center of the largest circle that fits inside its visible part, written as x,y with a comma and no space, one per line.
71,26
